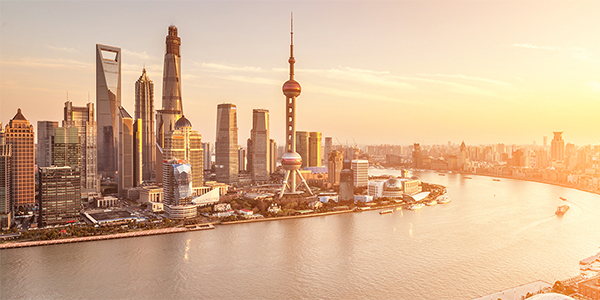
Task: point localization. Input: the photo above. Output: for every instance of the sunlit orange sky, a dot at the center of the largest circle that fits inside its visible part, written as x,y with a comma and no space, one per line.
393,72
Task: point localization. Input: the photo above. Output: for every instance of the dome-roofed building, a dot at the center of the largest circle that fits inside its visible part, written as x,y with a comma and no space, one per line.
182,123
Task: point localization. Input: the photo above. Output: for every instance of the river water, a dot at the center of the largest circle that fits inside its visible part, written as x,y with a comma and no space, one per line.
492,236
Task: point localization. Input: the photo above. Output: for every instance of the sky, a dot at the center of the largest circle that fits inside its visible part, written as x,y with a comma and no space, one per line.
372,72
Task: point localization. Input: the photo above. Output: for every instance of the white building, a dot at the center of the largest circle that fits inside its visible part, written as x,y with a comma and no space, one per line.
360,170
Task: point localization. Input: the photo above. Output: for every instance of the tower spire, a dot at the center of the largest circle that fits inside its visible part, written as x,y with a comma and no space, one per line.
292,60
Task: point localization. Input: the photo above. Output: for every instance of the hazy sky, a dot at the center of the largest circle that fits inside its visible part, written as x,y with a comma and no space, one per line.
393,72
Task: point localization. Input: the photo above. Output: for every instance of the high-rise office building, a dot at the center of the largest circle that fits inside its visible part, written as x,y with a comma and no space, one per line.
272,156
302,147
65,147
19,133
328,146
360,170
60,195
346,177
177,189
144,114
417,156
334,166
260,145
206,149
43,153
6,209
241,159
291,161
129,153
108,101
172,106
226,156
250,148
557,147
314,149
83,118
186,144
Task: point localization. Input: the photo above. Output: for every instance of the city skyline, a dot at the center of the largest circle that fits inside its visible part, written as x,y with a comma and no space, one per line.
393,73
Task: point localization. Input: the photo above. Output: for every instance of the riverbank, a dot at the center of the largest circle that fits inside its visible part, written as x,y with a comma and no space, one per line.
289,217
11,245
565,185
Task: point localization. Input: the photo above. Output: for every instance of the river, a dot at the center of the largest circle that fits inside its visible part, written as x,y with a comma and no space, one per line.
492,236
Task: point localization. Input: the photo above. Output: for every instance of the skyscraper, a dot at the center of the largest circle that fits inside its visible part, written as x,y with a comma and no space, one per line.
60,195
226,155
557,147
302,147
43,154
19,133
273,156
360,172
108,101
144,114
84,119
328,146
172,107
314,149
65,147
129,162
260,145
241,159
291,160
207,154
177,189
6,209
186,144
334,166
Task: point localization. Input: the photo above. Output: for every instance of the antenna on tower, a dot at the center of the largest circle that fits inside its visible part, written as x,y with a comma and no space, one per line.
292,28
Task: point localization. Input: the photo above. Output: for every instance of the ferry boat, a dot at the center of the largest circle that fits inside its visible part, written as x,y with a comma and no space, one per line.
416,206
561,210
431,203
496,179
562,198
386,211
467,177
443,200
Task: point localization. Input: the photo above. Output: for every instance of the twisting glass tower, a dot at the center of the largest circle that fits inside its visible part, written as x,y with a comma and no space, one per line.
291,160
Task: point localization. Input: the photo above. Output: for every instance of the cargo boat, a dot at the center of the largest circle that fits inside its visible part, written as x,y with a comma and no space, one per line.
561,210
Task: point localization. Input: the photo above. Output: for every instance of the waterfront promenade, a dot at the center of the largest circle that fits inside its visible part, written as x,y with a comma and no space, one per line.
101,237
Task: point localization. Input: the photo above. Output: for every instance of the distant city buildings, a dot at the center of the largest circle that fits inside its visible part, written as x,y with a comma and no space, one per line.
108,101
314,149
129,155
557,147
207,153
19,134
226,154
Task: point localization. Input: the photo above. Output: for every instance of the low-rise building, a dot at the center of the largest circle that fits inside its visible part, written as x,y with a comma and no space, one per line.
222,207
590,288
107,201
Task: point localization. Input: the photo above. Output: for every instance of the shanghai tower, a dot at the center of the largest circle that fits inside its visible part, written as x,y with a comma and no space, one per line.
172,108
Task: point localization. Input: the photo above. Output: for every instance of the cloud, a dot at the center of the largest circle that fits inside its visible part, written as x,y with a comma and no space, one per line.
229,68
470,78
63,49
577,53
530,46
46,63
140,55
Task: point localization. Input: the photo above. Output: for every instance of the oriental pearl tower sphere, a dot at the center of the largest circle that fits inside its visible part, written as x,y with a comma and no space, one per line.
291,160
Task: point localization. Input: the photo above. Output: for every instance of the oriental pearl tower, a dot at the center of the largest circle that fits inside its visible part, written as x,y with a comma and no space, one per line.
291,160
